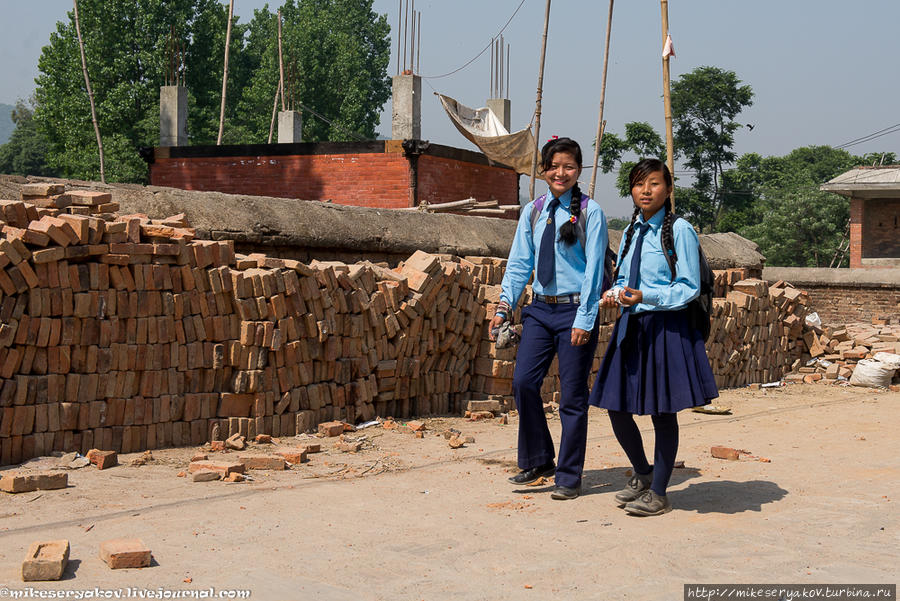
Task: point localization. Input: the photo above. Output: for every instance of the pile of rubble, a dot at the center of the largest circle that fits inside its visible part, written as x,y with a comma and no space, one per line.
834,351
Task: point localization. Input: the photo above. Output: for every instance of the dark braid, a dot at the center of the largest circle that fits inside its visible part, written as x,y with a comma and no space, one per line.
628,235
667,239
568,232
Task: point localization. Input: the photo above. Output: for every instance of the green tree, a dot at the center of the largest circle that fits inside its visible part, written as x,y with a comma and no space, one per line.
776,202
26,151
705,103
640,140
800,228
336,55
125,45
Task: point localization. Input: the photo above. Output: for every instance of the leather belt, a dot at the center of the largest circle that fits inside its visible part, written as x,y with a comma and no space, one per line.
559,300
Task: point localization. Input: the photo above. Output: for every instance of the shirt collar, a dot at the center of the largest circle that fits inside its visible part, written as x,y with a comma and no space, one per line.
564,201
655,221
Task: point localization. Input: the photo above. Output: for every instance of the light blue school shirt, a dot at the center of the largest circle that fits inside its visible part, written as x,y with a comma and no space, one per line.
578,270
661,292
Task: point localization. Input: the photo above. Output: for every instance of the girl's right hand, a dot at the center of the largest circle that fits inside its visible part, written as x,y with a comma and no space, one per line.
496,322
609,299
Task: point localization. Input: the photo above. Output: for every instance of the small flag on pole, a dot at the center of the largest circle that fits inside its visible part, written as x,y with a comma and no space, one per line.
668,47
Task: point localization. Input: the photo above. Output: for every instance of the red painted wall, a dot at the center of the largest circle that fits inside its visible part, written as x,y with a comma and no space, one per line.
368,179
443,180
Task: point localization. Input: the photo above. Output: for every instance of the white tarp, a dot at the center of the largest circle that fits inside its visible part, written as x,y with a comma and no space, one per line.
482,127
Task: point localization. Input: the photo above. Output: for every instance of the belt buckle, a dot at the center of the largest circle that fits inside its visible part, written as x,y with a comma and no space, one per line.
553,300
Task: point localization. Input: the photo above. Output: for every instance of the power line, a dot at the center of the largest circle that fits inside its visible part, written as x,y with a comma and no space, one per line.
881,132
483,50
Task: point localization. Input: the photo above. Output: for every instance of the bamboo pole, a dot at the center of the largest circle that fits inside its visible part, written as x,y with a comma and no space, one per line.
225,75
399,34
537,108
667,97
280,65
87,83
275,111
601,124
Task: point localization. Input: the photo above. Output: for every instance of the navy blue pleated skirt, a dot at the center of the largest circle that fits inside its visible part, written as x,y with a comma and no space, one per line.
661,367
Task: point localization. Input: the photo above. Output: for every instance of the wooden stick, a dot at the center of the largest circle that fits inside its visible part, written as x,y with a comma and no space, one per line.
601,124
225,75
275,110
87,83
280,64
667,98
537,108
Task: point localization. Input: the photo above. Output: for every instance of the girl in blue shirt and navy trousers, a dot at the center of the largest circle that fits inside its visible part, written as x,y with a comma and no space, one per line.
561,320
655,364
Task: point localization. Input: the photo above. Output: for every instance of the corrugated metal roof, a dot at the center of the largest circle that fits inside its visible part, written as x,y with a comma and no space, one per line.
865,179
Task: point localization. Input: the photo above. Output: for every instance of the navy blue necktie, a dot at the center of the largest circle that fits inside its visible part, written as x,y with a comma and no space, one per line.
546,267
633,276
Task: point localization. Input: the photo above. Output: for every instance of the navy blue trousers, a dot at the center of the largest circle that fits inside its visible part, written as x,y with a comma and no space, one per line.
547,332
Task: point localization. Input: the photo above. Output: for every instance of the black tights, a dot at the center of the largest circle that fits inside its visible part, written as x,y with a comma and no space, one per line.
629,437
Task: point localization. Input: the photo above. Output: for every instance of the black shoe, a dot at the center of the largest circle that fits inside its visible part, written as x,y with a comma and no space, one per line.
637,485
534,474
564,493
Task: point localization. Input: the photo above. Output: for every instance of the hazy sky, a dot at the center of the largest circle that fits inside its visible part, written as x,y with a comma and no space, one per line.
823,72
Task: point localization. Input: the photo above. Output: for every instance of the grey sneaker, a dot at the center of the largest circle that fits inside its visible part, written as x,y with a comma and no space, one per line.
649,503
636,485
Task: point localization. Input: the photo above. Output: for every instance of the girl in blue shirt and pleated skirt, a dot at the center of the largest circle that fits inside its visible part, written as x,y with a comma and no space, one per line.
655,364
562,239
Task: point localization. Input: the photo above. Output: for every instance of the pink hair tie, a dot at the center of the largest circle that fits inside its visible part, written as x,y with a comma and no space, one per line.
573,219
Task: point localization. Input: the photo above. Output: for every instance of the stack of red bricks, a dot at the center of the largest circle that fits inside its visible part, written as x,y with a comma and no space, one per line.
756,332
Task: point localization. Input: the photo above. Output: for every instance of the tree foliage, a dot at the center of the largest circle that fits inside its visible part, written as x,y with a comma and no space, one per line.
340,49
776,202
705,103
26,151
336,54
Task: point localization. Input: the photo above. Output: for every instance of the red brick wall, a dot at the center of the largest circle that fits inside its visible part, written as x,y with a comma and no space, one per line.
847,304
881,228
443,180
856,221
367,180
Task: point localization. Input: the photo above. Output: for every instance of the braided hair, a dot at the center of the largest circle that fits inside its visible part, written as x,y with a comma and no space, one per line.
667,239
568,232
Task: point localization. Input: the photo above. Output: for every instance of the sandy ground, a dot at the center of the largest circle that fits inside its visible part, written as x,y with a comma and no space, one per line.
409,518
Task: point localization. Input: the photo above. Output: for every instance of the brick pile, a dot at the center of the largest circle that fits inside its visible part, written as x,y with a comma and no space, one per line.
756,331
122,333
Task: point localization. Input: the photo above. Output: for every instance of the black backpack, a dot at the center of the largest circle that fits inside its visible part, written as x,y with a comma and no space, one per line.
581,233
700,309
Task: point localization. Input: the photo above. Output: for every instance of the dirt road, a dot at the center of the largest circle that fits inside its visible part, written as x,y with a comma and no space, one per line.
410,519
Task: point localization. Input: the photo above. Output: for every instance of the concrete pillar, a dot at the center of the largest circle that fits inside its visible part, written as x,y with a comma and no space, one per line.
501,108
173,116
290,127
406,114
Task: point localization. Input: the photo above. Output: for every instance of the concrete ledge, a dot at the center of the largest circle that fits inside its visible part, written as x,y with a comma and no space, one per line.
278,222
813,276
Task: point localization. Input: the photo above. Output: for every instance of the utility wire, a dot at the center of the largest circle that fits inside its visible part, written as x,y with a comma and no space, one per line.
483,50
358,136
881,132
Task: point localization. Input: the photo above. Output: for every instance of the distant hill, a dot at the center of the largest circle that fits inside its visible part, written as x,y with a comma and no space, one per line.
6,124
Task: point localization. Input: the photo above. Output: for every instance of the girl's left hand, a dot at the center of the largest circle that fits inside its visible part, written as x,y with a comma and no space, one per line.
630,296
580,336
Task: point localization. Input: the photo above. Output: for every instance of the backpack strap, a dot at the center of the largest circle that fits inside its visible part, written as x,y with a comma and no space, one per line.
536,209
